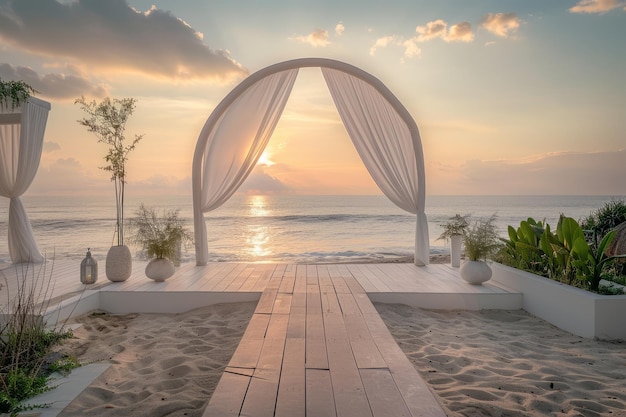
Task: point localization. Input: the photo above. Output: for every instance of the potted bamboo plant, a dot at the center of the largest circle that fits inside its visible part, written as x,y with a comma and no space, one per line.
107,120
481,242
160,237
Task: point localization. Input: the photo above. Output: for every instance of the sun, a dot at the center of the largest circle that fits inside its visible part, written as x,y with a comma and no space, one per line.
265,160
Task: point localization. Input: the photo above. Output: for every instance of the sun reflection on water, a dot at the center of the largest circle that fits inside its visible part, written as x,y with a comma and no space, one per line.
258,237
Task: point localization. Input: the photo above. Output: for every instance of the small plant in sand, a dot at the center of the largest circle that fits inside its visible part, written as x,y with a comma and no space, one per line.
14,93
25,341
158,235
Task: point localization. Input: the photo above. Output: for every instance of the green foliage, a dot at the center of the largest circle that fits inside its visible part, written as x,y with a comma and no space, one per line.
107,120
159,236
455,225
564,255
15,93
64,365
481,239
522,248
25,342
601,221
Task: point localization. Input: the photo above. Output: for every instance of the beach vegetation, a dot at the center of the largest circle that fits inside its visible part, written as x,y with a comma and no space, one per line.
454,226
600,222
107,121
14,93
26,341
564,255
159,235
481,239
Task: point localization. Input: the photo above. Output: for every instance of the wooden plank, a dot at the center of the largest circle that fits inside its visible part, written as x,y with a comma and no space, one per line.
228,396
260,399
315,339
266,302
348,390
291,401
384,397
416,394
247,353
282,304
364,348
319,394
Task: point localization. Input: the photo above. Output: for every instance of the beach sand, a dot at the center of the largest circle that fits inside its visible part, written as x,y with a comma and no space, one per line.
162,364
509,363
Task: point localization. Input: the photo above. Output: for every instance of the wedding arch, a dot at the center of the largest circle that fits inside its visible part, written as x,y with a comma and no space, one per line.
382,130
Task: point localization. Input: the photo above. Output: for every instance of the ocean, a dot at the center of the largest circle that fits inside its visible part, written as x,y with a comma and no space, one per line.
295,229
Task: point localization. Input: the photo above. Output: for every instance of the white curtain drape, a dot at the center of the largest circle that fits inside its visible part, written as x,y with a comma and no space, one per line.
234,143
21,142
389,150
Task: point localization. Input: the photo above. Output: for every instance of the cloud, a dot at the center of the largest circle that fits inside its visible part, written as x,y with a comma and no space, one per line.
317,38
559,174
432,30
111,35
501,24
339,29
383,42
260,182
597,6
461,32
59,86
67,176
411,49
50,146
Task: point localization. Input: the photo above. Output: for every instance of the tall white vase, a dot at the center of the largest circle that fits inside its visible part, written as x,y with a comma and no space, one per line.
455,250
119,263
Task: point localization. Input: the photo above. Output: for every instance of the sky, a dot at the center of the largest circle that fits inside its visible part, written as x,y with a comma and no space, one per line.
510,97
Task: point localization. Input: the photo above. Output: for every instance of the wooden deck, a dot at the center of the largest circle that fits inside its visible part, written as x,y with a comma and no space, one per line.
315,346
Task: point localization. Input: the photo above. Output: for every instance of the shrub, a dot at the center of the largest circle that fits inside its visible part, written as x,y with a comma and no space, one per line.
601,221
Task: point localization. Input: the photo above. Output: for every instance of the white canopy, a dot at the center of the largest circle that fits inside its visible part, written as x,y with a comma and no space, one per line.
382,131
21,140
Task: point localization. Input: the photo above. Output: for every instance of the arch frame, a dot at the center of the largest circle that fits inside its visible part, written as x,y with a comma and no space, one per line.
243,86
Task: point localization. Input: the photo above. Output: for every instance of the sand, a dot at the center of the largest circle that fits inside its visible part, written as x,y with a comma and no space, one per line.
162,364
509,363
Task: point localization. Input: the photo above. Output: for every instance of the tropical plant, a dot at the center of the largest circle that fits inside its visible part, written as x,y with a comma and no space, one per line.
522,248
481,239
15,93
601,221
158,235
455,226
107,120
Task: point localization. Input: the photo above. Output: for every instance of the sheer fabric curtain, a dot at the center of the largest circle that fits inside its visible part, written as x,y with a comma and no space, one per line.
234,145
21,141
387,147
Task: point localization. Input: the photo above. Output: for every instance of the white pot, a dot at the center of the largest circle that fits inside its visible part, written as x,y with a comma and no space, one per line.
455,250
119,263
160,269
475,272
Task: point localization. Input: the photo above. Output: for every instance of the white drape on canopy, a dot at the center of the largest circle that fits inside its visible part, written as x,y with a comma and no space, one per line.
21,142
385,144
234,141
382,130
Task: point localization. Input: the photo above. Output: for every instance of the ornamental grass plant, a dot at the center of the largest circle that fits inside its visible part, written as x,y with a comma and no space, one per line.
26,343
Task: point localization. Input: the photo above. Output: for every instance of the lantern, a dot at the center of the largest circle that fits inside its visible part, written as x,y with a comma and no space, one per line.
88,269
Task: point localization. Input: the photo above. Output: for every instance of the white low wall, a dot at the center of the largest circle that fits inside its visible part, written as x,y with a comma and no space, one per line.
577,311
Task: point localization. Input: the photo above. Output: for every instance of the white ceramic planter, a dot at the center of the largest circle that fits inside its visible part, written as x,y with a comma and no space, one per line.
455,250
475,272
160,269
119,263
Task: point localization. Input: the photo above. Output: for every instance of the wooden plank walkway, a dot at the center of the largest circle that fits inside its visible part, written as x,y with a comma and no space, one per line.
317,347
